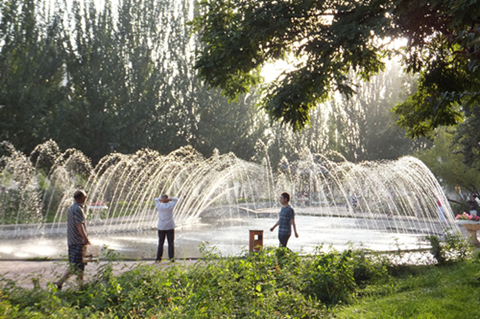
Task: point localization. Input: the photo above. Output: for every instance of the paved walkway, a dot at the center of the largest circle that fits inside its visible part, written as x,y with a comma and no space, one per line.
48,271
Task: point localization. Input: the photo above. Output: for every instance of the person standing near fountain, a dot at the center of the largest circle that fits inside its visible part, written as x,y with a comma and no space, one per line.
166,225
77,239
441,211
285,221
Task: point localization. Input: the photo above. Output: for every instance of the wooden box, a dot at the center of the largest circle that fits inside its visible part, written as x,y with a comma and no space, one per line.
90,253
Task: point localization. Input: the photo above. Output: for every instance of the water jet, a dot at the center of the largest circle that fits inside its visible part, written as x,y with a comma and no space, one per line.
336,202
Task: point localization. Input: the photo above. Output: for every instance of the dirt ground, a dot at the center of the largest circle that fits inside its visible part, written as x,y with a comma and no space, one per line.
49,271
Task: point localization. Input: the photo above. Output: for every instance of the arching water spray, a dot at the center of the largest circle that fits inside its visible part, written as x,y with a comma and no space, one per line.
389,196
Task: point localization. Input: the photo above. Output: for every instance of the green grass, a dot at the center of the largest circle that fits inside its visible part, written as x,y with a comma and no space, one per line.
451,291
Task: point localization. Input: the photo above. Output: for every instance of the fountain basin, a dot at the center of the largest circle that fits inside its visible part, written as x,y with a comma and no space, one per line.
230,236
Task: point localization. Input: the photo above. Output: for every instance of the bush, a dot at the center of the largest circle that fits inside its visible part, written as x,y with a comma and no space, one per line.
454,248
459,207
334,277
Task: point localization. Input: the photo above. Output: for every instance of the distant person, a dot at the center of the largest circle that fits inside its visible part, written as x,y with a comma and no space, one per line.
390,205
473,205
166,225
77,239
418,208
353,200
441,212
285,221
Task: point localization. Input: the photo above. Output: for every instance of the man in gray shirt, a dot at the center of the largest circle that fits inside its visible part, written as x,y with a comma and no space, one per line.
77,239
285,221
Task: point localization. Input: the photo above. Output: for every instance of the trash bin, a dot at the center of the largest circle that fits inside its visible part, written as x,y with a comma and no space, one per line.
256,240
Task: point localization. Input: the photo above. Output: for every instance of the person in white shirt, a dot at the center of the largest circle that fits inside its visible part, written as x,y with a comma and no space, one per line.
166,225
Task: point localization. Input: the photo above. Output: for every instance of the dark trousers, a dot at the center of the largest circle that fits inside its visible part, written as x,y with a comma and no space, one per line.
283,240
161,240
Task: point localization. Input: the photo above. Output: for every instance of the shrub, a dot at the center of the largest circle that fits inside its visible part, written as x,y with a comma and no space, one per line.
453,248
334,277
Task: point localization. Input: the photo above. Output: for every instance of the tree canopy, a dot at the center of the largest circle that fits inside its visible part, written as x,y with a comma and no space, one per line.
445,162
330,39
111,77
120,77
467,138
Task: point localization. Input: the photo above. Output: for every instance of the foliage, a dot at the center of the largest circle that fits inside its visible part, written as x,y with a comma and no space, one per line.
124,80
111,77
334,277
365,126
235,127
20,206
274,283
453,249
436,249
121,78
31,72
458,207
117,67
362,128
444,48
467,137
328,39
447,165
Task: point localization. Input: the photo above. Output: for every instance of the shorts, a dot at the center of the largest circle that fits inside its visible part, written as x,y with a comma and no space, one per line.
75,257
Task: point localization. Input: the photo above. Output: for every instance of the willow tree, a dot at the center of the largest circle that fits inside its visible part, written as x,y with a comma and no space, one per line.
359,128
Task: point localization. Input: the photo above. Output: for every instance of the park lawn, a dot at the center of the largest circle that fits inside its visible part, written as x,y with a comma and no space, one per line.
444,292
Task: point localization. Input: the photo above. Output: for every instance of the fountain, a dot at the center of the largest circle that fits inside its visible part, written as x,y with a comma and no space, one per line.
336,202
